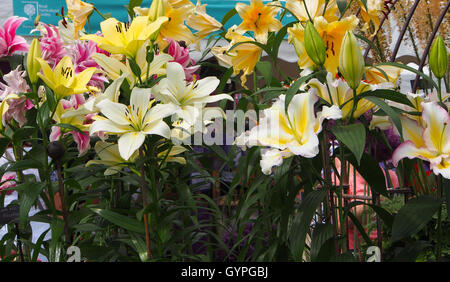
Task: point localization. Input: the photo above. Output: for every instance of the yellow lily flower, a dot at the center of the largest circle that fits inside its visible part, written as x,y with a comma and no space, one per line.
332,34
172,156
126,39
115,68
75,120
175,28
223,59
258,18
202,22
291,132
374,75
111,93
62,80
374,7
341,95
133,122
79,11
315,9
109,156
4,108
430,143
243,57
180,3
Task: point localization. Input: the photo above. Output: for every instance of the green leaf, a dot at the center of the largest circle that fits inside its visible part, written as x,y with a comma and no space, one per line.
395,117
342,5
4,142
123,221
30,193
69,127
50,98
302,221
43,115
21,134
296,85
322,234
360,228
265,68
57,229
388,95
24,164
134,67
364,2
37,246
281,34
371,44
387,218
411,252
139,246
228,16
402,66
353,136
131,5
413,216
223,81
446,189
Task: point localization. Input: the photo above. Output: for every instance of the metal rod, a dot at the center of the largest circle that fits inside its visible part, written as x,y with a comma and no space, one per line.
402,33
386,15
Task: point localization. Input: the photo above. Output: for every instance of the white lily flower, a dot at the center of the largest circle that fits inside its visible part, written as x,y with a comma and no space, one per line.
111,93
133,122
109,156
430,143
190,100
291,132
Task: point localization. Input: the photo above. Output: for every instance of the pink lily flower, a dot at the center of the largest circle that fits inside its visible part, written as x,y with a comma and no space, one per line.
181,56
9,41
52,45
82,57
16,84
7,180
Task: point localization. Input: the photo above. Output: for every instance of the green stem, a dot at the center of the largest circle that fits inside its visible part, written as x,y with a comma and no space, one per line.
439,243
354,105
307,12
144,203
98,12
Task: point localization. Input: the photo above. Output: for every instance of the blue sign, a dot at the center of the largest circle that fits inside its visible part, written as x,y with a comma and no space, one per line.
49,10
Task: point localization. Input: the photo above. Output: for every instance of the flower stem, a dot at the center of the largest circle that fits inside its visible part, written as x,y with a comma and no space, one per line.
63,202
439,227
144,203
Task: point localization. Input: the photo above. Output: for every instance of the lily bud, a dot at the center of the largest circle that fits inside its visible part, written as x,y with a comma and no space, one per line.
156,10
351,61
33,66
314,46
438,58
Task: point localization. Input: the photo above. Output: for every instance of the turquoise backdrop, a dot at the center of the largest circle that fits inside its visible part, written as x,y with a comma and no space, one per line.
48,10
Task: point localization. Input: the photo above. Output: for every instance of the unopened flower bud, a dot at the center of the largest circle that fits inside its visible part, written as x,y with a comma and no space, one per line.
156,10
351,61
314,46
33,65
56,150
438,58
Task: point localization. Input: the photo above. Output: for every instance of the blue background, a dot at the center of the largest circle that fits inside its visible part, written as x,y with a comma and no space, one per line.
49,8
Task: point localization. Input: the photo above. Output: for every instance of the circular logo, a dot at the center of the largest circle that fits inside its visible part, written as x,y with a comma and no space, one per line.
29,10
